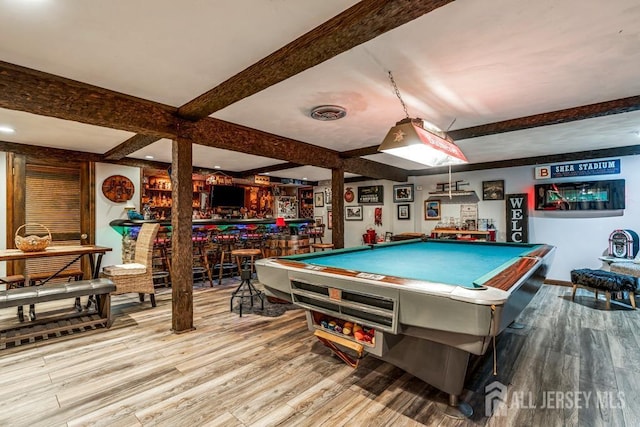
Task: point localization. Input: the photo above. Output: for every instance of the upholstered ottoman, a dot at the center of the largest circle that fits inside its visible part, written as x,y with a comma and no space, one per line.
607,281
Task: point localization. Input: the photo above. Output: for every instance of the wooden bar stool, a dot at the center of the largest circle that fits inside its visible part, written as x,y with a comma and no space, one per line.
226,243
245,261
321,246
201,267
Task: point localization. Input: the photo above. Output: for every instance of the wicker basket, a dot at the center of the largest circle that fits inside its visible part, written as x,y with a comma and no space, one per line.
32,243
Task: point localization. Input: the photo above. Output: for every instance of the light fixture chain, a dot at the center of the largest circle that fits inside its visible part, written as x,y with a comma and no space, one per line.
395,88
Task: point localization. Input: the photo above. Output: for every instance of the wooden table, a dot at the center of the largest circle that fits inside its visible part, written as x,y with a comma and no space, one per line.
55,251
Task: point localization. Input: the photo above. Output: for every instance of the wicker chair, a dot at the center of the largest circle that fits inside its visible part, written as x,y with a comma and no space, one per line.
137,276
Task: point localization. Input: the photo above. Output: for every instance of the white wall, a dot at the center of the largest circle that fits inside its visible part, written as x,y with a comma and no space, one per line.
579,240
107,211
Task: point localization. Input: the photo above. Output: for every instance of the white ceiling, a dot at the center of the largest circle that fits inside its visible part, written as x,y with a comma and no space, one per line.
474,62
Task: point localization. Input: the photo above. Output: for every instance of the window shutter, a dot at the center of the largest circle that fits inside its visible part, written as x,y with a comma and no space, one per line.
53,200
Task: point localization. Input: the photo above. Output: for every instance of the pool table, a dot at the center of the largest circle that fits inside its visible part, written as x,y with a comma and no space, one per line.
431,303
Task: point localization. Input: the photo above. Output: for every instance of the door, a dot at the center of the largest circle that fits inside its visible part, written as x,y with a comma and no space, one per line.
58,197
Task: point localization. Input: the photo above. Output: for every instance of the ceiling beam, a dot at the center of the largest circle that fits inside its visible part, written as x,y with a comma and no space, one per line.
375,170
359,152
35,92
44,94
130,146
631,150
591,111
360,23
269,169
217,133
49,153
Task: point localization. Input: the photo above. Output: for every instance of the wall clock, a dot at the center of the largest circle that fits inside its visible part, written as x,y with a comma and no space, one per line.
118,188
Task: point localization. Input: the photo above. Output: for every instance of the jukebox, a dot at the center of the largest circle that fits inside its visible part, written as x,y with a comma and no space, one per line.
623,244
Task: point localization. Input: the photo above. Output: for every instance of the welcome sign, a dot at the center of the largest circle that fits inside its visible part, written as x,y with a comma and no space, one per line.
588,168
517,218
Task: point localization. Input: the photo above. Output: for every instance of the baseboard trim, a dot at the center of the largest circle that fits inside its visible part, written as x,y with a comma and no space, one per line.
558,283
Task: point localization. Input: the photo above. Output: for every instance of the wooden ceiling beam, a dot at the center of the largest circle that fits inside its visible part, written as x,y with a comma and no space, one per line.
360,23
359,152
591,111
632,150
217,133
35,92
48,152
130,146
269,169
374,170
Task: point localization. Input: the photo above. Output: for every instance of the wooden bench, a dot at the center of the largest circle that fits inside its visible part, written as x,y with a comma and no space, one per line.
16,297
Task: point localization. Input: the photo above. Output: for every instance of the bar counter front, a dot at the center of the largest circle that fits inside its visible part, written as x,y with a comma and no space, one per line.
427,305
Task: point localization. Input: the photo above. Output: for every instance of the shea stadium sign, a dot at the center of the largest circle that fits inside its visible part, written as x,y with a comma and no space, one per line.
563,170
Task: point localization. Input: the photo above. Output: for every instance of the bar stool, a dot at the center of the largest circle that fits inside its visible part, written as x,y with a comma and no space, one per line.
226,243
316,232
161,258
200,267
246,288
11,282
321,246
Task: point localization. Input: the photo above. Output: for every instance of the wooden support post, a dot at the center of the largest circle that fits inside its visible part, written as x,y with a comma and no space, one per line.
337,206
181,243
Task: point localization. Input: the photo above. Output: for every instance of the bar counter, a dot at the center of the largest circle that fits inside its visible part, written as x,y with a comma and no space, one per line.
123,225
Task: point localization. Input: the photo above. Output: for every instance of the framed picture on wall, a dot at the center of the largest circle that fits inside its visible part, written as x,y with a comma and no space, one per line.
318,200
404,212
353,213
432,209
318,220
329,219
493,190
403,193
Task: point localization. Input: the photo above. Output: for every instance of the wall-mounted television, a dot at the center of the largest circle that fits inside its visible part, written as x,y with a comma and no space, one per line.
580,196
227,196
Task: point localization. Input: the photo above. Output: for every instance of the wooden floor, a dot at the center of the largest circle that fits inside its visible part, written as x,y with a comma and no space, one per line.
261,371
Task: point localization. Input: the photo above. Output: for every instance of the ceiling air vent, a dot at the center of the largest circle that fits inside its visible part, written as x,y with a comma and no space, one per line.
327,113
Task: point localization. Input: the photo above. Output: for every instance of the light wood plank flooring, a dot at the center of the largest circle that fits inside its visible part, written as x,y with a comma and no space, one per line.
262,371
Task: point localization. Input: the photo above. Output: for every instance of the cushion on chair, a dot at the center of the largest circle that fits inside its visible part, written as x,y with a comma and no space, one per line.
604,280
124,269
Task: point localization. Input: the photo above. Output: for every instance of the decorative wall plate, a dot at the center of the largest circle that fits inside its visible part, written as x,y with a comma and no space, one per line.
118,188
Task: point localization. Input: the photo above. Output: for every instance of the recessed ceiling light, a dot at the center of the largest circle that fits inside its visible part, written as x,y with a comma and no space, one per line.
216,167
7,129
148,157
304,179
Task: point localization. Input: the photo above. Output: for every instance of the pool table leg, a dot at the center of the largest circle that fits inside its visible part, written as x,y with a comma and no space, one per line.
440,365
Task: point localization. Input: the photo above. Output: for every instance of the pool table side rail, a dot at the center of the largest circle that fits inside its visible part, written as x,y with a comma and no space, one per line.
503,279
344,272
